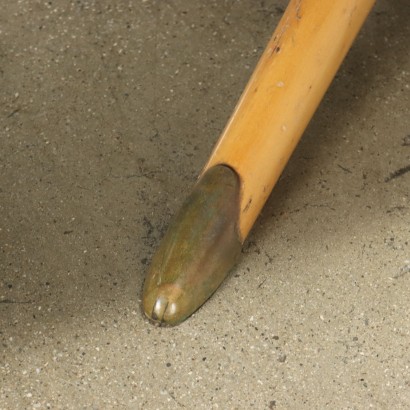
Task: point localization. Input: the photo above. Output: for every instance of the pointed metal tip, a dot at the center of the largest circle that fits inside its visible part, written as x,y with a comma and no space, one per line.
201,246
159,309
161,305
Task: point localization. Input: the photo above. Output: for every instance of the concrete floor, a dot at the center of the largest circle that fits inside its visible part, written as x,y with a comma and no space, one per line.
108,111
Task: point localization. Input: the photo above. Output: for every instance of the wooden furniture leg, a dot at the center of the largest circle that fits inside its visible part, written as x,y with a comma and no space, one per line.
205,238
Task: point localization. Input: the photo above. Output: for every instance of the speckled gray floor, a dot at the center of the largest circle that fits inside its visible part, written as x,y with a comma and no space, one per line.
108,111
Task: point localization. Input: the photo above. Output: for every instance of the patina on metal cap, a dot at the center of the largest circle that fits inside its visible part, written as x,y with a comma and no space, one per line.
198,251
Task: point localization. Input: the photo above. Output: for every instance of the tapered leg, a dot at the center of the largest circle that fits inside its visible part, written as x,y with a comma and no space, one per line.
293,74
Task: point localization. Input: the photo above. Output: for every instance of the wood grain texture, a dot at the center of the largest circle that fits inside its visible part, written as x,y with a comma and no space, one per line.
283,93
